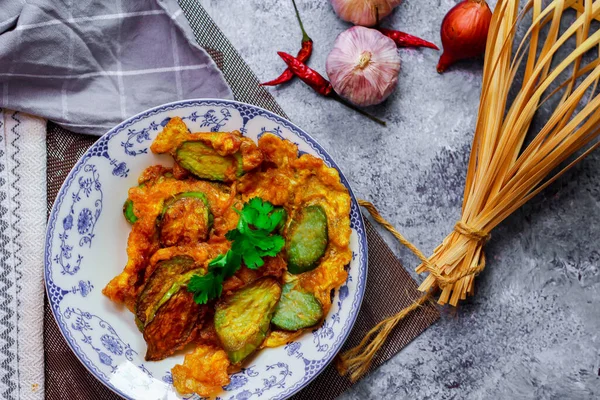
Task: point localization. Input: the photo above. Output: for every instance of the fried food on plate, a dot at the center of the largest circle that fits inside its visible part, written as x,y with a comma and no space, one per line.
235,248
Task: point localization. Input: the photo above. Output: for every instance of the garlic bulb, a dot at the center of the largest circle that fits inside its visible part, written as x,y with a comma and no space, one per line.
363,66
362,12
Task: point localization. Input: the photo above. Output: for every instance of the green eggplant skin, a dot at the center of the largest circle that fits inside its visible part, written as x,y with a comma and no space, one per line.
296,309
165,275
179,196
181,281
166,313
184,219
139,324
128,212
205,163
307,239
242,319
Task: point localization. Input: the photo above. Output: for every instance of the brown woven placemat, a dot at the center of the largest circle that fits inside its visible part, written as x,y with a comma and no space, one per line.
389,287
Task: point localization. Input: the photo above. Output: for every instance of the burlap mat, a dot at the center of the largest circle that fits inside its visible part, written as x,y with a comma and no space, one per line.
389,287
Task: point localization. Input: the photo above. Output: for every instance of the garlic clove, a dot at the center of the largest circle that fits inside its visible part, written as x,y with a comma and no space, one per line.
363,66
362,12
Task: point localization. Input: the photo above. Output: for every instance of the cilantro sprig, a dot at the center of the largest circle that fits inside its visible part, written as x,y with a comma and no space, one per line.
252,239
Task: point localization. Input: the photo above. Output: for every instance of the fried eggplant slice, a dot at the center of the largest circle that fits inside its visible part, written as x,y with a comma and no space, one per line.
151,176
144,239
166,274
194,195
139,324
296,309
204,162
280,338
219,156
186,219
128,212
203,372
174,325
242,319
307,239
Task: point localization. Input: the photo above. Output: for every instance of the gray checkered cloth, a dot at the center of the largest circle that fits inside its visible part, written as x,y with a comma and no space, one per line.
104,60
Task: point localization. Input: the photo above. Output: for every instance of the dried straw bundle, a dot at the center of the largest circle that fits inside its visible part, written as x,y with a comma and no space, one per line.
503,172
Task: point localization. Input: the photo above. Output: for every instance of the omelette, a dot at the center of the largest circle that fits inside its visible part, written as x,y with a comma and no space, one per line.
182,219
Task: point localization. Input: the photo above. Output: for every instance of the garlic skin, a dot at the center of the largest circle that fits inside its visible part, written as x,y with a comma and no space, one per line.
362,12
363,66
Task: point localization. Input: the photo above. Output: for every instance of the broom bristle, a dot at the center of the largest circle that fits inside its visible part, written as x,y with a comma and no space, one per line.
503,172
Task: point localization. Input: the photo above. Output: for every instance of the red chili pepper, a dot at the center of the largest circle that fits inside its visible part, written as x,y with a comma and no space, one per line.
303,54
308,75
321,85
287,75
405,40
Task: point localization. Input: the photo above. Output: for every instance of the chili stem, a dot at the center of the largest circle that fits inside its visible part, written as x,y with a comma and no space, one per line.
305,37
373,118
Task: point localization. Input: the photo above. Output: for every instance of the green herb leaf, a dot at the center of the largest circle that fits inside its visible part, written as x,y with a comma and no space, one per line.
253,260
251,241
219,262
256,213
258,204
277,219
225,265
205,287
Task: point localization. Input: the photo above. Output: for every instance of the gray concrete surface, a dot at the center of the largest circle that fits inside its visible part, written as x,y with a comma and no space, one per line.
532,330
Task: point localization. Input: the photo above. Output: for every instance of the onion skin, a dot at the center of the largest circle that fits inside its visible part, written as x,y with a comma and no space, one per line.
363,66
362,12
464,32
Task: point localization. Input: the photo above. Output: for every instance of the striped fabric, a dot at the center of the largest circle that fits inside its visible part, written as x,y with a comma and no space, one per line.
22,226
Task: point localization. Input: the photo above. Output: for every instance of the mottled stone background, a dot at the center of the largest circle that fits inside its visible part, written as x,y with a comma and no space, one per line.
532,330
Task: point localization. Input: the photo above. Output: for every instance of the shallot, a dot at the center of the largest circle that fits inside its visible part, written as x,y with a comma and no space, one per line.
464,32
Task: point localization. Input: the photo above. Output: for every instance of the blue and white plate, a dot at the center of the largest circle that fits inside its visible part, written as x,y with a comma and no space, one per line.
86,246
